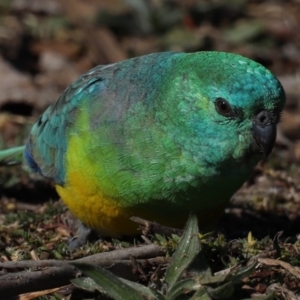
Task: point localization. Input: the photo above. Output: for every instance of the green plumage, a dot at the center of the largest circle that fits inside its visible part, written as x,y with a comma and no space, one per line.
166,131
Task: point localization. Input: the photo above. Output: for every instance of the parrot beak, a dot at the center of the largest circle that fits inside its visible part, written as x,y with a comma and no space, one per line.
264,133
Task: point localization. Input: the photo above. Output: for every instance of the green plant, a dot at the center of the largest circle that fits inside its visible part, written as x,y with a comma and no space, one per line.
188,276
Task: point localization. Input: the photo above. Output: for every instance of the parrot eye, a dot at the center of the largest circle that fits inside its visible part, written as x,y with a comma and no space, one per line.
223,107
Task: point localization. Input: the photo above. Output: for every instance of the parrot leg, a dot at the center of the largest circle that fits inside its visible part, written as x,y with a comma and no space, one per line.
83,234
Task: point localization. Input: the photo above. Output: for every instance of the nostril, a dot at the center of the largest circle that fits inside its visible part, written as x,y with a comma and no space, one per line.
262,119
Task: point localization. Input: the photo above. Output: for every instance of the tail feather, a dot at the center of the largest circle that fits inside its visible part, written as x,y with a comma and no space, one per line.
29,160
12,155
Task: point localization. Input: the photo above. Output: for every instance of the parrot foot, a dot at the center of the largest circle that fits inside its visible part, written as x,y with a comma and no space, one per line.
80,239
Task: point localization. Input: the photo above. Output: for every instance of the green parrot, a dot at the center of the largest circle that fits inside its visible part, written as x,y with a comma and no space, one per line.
157,136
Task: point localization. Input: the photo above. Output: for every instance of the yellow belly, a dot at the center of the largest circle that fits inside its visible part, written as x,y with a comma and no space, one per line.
107,216
97,211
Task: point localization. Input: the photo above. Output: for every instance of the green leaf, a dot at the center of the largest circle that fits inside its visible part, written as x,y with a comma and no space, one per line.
206,279
160,238
188,247
110,283
148,292
223,291
244,272
218,279
183,286
201,294
85,283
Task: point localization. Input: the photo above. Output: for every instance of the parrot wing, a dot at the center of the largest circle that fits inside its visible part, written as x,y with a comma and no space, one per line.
47,142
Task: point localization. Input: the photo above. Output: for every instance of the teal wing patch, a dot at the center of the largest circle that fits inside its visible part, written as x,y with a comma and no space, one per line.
47,143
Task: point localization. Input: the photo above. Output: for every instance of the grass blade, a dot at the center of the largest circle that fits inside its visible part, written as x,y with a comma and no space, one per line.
110,283
188,247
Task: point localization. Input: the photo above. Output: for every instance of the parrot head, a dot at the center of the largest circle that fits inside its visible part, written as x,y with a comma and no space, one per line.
230,106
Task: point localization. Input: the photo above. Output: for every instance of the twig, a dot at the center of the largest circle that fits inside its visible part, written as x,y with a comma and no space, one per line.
34,295
58,273
13,284
146,251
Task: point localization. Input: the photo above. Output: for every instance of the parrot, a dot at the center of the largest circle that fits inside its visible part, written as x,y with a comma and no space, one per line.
157,136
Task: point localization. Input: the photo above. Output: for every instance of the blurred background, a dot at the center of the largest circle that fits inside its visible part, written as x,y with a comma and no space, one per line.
47,44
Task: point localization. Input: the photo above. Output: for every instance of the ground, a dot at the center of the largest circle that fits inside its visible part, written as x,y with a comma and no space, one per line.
45,45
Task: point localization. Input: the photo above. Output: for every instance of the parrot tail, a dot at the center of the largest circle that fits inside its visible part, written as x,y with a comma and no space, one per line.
12,155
